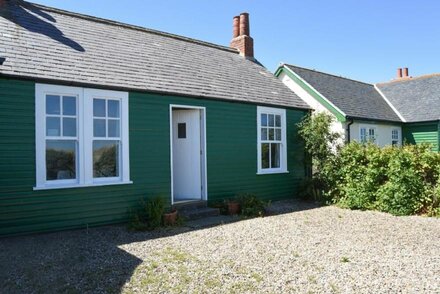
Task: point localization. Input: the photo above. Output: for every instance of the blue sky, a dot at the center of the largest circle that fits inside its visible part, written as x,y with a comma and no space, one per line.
364,40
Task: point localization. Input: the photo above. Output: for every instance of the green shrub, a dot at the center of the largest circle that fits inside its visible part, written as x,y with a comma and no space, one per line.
150,216
321,145
251,205
398,180
155,209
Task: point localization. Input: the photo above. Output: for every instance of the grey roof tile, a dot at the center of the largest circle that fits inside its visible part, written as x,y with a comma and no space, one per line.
416,99
44,43
356,99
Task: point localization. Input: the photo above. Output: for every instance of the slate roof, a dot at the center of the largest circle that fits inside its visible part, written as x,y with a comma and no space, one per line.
416,99
356,99
44,43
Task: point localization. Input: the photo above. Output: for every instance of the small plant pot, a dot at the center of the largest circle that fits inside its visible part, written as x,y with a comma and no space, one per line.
233,207
170,219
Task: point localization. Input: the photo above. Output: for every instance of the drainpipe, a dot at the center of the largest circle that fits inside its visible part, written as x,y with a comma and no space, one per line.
348,139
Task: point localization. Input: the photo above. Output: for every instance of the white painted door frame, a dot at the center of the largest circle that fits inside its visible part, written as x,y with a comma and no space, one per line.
203,160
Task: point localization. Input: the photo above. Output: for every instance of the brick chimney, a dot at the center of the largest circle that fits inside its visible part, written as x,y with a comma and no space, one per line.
241,39
403,73
399,73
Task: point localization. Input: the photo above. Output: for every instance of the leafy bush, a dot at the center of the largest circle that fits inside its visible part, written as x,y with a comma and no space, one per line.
150,217
398,180
321,145
251,205
155,209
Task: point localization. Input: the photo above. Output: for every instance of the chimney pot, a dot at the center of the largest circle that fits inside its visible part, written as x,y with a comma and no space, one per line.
244,24
405,73
399,73
235,26
241,39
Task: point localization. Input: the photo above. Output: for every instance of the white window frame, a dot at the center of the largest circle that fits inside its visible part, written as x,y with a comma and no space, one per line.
283,143
368,138
84,160
397,139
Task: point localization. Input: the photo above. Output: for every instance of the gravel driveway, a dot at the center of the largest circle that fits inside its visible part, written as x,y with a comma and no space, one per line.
305,250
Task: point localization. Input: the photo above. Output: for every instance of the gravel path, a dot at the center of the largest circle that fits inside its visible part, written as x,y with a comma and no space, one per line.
309,250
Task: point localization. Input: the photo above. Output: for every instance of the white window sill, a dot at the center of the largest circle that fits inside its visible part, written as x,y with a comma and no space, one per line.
70,186
269,172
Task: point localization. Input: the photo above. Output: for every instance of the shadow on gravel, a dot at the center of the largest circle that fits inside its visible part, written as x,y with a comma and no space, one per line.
89,261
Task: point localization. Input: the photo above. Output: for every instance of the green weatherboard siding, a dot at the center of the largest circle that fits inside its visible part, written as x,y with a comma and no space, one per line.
340,117
231,160
417,133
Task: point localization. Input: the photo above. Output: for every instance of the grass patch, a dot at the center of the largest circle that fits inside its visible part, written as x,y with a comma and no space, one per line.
176,271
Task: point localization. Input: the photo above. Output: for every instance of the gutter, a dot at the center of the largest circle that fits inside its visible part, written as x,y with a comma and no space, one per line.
143,91
348,139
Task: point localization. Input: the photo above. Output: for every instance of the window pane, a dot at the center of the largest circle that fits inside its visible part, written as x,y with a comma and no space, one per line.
99,127
53,126
113,127
278,134
181,130
264,134
278,120
69,127
265,155
113,108
395,135
271,120
271,134
99,107
69,105
105,159
52,104
275,155
264,120
60,160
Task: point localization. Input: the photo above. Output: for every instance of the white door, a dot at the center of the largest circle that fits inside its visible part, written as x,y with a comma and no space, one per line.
187,178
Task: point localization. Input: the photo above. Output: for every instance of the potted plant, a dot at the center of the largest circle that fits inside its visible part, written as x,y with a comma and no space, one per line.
170,218
233,207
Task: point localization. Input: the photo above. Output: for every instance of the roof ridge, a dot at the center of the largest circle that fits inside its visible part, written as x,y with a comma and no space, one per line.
130,26
329,74
410,79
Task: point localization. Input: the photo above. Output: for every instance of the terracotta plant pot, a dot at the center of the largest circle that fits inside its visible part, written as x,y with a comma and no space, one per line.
233,207
169,219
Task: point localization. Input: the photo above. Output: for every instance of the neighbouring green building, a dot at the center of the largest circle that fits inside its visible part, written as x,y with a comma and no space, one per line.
96,115
403,111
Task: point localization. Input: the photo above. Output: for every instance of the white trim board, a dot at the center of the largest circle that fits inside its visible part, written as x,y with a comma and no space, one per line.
316,91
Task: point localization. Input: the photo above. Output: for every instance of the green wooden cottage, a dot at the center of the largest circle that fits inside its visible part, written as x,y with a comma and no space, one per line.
96,115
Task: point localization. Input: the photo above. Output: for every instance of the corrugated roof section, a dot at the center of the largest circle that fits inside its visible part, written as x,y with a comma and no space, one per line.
46,43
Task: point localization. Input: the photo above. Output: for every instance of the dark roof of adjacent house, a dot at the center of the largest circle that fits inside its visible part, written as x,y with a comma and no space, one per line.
44,43
356,99
416,99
